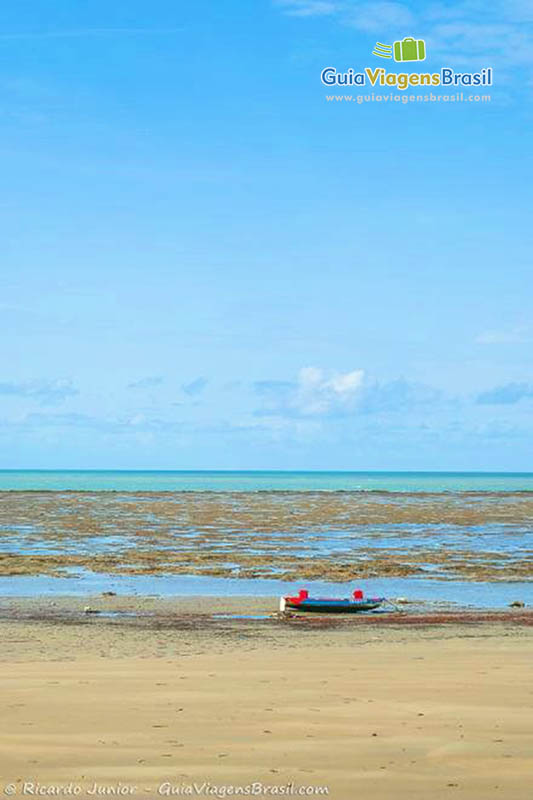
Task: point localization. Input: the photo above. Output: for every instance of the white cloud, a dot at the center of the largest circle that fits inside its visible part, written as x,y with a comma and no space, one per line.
313,393
347,383
318,394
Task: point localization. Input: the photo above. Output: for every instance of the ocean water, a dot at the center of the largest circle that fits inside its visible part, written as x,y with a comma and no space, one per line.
257,481
421,593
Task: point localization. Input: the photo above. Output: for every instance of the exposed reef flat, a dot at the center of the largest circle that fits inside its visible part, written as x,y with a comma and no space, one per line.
335,536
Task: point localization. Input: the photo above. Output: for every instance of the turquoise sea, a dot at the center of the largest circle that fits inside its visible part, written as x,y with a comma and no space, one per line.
256,481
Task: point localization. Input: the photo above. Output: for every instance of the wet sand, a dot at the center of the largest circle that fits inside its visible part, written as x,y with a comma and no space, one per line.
174,692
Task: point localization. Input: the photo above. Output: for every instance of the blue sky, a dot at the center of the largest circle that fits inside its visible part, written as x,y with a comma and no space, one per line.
207,265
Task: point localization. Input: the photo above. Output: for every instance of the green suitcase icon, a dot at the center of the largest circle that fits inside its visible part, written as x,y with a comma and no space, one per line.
409,49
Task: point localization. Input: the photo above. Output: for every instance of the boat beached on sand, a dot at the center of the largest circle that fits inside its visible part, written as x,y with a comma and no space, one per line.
326,605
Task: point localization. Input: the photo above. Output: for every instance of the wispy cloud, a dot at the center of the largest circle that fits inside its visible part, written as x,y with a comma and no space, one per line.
77,33
379,17
137,423
508,394
149,382
195,387
308,8
46,392
501,41
273,389
398,395
521,9
518,334
468,32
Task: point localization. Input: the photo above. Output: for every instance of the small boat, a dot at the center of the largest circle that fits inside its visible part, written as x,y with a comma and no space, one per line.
326,605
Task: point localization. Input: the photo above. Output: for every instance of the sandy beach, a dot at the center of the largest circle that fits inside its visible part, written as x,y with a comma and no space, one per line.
104,704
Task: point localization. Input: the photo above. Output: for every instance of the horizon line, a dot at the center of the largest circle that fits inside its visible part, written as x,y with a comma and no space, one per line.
278,471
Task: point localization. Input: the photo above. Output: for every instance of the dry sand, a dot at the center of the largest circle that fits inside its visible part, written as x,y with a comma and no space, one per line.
374,711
